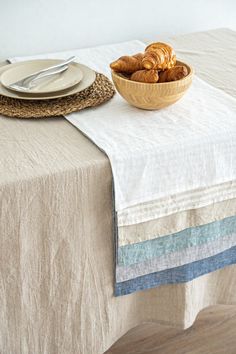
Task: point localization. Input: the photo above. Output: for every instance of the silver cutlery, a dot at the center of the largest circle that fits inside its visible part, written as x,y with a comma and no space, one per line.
32,83
28,82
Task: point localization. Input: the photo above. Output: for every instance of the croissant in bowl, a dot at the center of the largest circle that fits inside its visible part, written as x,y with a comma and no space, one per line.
128,64
148,76
159,56
173,74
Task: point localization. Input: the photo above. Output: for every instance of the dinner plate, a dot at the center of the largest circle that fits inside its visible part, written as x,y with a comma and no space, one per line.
89,77
54,83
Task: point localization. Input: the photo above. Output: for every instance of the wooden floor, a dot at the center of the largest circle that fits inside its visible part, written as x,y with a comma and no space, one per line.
214,332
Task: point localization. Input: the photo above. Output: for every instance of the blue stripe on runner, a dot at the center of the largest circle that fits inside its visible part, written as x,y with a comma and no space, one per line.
181,274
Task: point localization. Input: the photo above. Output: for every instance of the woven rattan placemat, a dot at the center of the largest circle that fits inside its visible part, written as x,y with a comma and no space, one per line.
100,91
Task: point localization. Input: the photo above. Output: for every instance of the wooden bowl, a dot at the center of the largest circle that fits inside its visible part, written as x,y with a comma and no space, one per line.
152,96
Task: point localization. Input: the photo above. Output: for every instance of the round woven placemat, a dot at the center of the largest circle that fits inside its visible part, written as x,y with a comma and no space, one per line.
100,91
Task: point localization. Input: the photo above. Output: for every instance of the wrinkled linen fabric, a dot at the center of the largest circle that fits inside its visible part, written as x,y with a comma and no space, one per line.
176,203
56,249
169,224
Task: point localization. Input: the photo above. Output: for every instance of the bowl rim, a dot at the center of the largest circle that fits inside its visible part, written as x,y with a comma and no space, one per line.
190,74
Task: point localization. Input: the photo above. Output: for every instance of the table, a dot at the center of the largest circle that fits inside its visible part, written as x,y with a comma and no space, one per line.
56,244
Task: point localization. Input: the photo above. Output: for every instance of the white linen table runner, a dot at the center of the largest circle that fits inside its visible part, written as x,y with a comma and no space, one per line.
185,150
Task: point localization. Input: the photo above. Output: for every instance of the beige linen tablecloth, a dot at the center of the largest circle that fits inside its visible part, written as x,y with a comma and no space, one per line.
56,241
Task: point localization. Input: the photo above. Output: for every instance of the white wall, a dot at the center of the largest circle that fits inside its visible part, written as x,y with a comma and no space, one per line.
36,26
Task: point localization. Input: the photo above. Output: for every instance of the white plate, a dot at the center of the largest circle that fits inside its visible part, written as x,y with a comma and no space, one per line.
89,77
55,83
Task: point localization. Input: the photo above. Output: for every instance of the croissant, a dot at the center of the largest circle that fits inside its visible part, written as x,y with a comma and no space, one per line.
173,74
149,76
128,64
159,56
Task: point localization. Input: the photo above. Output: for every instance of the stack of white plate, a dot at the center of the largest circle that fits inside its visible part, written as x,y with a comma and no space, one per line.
75,79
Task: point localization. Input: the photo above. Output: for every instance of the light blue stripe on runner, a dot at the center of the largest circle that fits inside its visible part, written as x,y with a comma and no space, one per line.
193,236
175,259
